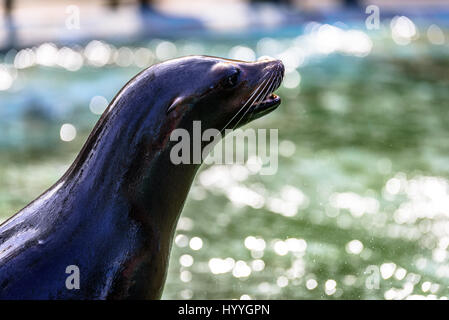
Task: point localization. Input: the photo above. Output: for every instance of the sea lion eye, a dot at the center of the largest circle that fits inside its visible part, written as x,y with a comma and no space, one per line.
232,80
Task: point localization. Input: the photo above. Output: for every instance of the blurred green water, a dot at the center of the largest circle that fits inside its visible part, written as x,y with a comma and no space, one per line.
358,208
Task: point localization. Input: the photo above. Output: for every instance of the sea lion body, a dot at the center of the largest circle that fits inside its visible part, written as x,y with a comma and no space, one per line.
113,214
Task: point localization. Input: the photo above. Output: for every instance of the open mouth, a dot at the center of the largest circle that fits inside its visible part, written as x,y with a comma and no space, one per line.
271,102
263,99
268,102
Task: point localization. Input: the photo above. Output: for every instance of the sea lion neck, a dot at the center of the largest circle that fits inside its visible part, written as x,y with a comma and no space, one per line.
127,155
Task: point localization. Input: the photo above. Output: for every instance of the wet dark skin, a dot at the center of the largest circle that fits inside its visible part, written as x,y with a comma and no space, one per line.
114,212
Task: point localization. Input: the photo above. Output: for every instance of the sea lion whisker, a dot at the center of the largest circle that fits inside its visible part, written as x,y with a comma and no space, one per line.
254,92
265,91
261,94
269,90
278,80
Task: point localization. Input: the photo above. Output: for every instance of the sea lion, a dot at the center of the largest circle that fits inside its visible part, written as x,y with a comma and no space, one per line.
112,216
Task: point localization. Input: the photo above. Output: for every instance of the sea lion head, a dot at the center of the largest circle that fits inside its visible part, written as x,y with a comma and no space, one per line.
176,94
221,93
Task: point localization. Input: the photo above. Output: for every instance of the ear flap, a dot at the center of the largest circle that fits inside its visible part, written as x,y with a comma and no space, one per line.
175,103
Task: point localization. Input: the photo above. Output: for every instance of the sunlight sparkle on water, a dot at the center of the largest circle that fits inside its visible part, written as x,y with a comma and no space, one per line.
69,59
428,197
182,240
185,223
241,269
98,104
185,276
240,196
257,265
6,79
143,57
296,245
219,266
354,247
311,284
268,47
400,273
387,270
67,132
330,287
291,199
98,53
253,243
47,54
282,281
286,148
25,58
196,243
124,57
186,260
291,79
166,50
403,30
355,203
327,39
435,35
280,247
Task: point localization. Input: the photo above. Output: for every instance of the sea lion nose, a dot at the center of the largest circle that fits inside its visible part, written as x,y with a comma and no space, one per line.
277,65
280,67
271,64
